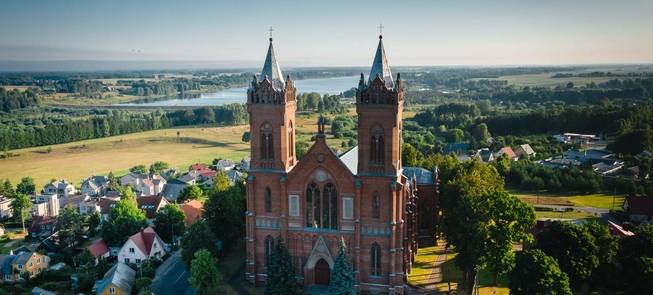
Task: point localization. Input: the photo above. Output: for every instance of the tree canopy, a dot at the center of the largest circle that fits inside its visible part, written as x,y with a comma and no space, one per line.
125,219
198,236
535,273
342,275
169,221
204,274
281,273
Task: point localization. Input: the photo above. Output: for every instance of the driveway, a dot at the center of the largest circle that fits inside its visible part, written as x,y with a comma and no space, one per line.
172,277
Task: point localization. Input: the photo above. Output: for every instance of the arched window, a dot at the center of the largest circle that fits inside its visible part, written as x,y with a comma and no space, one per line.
375,260
312,205
330,208
269,248
267,142
377,146
268,200
376,205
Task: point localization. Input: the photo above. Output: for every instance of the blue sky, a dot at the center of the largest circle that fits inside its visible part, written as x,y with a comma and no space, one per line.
330,33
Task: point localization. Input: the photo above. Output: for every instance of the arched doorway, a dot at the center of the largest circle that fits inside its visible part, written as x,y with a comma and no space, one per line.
322,273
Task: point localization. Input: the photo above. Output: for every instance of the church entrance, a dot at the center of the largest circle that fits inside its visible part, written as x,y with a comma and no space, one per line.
322,273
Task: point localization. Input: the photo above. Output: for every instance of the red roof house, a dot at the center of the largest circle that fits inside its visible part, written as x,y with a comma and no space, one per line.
639,208
99,250
193,211
142,245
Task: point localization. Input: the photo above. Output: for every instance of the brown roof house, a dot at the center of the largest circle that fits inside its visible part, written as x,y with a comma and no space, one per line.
506,150
99,250
150,205
141,246
193,211
639,208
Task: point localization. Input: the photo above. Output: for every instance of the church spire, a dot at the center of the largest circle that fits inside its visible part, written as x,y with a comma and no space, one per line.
380,65
271,68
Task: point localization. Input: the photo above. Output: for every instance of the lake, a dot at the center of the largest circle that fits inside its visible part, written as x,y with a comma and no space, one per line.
239,94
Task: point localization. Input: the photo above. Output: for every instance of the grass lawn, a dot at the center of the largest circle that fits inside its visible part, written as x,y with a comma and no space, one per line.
78,160
591,200
566,215
423,265
67,99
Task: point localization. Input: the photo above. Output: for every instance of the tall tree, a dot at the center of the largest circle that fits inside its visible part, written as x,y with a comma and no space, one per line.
636,259
573,247
281,273
69,224
20,206
608,246
157,167
342,276
535,273
138,169
204,274
26,186
410,156
169,222
191,192
198,236
8,189
224,210
125,219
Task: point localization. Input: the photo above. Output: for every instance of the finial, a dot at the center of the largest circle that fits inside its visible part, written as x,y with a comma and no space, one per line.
271,30
381,31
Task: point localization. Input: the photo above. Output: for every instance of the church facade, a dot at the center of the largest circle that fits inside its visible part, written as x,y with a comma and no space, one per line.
363,196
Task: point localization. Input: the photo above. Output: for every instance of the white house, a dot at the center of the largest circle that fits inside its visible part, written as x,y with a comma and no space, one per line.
46,205
5,208
225,165
90,206
525,151
95,185
141,246
144,184
60,187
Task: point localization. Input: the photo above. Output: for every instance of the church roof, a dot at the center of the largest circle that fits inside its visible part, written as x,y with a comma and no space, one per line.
271,68
380,66
421,175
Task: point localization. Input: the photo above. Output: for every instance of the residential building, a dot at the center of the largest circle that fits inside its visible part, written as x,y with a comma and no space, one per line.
173,189
73,201
150,205
561,163
95,186
485,155
506,150
142,245
244,164
15,267
99,250
42,226
225,165
193,210
5,208
90,206
639,208
61,187
47,205
589,156
106,204
119,280
525,151
234,176
607,169
144,184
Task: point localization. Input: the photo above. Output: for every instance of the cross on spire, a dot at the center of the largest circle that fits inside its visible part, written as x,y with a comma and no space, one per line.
380,30
271,30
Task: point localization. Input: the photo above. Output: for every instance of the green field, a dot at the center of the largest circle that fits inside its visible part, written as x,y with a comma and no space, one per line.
545,80
604,201
78,160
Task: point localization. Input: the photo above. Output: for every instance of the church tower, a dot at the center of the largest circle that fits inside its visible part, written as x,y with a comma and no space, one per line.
379,104
271,105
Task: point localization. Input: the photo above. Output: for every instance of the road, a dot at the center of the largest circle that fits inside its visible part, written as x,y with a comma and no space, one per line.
172,277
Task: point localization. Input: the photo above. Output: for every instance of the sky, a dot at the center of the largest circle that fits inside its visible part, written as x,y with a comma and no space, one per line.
328,33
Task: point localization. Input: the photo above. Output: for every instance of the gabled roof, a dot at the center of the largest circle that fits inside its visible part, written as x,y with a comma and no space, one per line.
106,204
271,68
120,275
151,204
6,262
98,248
350,159
38,221
380,66
527,149
144,239
506,150
192,210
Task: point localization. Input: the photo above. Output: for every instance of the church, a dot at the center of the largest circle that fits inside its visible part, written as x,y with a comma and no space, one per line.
365,196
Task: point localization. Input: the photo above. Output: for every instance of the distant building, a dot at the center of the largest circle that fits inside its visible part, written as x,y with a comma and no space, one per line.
144,184
47,205
244,164
225,165
607,169
582,139
525,151
90,206
506,150
561,163
42,226
60,187
95,186
639,208
458,148
5,208
173,189
106,204
150,205
119,280
485,155
141,246
589,156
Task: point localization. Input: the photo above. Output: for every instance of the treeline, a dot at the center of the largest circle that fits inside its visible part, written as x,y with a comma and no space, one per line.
527,175
165,87
16,99
314,102
113,123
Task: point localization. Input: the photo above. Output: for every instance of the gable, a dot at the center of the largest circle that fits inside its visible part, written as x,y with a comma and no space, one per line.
130,244
320,158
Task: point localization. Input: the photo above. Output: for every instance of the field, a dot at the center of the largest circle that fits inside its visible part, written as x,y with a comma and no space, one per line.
545,80
603,201
67,100
78,160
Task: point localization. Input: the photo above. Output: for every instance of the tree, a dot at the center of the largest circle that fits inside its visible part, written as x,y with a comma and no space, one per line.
19,205
246,136
26,186
342,276
573,247
69,224
410,156
157,167
138,169
8,189
204,274
608,246
94,220
481,133
281,273
636,259
125,219
192,192
535,273
169,222
224,210
198,236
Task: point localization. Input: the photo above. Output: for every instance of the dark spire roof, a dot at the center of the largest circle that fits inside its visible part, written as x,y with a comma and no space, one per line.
271,68
380,65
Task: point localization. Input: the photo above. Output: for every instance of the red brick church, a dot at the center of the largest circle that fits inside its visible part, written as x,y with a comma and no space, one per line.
364,195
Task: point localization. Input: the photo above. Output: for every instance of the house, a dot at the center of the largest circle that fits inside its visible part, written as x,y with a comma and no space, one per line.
42,226
244,164
119,280
5,208
14,267
144,184
525,151
506,150
99,250
106,204
485,155
234,176
193,210
225,165
607,169
198,167
560,163
90,206
582,139
639,208
189,178
458,148
60,187
173,189
95,186
140,246
73,201
47,205
151,204
589,156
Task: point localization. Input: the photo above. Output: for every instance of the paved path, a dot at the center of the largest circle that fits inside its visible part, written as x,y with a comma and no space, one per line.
428,285
172,277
